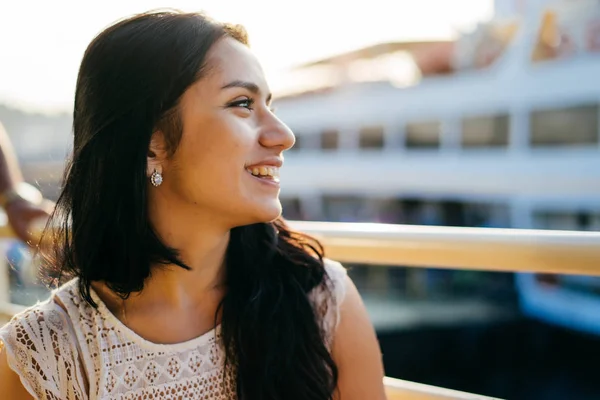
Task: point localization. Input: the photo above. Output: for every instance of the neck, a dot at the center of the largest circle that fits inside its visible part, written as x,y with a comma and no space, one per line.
201,242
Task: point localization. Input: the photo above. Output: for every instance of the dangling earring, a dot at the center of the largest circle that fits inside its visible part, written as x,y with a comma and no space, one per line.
156,178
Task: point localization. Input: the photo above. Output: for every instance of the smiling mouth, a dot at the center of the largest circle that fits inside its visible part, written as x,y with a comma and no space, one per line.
266,172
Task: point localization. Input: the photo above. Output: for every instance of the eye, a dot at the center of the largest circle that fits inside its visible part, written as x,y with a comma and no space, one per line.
244,103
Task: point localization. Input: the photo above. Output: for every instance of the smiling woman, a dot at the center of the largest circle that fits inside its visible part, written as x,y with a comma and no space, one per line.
179,277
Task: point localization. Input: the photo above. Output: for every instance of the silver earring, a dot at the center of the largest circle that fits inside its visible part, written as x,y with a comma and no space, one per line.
156,178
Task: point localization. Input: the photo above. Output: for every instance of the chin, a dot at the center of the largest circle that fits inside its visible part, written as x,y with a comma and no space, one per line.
268,212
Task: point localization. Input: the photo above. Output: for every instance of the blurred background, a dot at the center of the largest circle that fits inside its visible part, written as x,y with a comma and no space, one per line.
480,113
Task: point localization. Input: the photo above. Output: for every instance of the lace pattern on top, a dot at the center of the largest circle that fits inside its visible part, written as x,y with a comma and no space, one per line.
84,353
40,348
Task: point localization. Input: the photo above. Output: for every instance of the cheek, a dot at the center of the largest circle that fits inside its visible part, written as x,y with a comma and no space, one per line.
216,163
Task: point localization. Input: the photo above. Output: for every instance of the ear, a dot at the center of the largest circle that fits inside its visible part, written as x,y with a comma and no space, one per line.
157,153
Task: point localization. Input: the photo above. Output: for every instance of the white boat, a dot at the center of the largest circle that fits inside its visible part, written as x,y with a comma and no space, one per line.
500,129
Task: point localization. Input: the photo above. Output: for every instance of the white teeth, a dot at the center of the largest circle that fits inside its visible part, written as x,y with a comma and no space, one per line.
264,171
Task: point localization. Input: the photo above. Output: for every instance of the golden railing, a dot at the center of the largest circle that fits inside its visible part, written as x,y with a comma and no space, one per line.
492,249
397,389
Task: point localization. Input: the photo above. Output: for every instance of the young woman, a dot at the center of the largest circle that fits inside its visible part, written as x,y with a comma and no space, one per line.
183,280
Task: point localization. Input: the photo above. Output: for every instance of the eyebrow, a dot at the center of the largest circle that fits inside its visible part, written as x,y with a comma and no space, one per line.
250,86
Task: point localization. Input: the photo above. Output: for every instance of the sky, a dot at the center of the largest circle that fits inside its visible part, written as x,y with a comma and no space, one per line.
42,42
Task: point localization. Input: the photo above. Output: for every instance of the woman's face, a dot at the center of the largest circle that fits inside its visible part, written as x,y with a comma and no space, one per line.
226,166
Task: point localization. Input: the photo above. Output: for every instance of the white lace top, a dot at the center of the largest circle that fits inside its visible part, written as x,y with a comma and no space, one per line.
81,353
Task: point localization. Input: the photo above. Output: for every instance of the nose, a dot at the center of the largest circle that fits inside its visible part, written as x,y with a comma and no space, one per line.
276,134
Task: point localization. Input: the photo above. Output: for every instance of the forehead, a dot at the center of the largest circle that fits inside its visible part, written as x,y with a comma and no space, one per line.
230,60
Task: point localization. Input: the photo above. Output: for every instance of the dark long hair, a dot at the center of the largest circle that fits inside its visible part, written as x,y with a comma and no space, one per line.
130,81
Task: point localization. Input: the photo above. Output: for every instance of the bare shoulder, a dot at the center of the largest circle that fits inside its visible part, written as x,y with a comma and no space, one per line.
350,335
356,350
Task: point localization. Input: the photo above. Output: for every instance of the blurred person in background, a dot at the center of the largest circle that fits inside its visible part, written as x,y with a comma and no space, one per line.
24,205
181,280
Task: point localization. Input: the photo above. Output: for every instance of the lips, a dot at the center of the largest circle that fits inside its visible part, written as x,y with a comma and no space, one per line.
267,172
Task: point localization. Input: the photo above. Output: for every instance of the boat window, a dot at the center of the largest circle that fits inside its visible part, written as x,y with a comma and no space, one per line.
485,131
423,134
371,137
582,220
573,126
330,139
